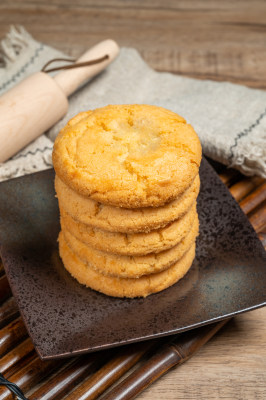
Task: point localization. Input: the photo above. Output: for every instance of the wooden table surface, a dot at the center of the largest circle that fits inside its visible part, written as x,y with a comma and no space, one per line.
204,39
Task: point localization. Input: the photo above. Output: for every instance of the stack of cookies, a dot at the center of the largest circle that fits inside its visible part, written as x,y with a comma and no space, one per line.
127,183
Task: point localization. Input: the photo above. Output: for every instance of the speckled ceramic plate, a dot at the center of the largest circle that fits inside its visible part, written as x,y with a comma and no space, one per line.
64,318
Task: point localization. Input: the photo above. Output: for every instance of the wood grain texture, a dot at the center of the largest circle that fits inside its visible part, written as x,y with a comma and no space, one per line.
170,354
219,40
231,366
204,39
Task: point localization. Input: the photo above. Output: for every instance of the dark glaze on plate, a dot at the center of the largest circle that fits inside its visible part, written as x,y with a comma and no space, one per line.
64,318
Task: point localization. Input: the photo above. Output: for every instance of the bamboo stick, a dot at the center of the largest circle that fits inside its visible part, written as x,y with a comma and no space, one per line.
229,175
125,358
68,378
8,311
174,353
30,375
252,201
21,364
258,219
12,334
16,355
262,237
242,188
5,290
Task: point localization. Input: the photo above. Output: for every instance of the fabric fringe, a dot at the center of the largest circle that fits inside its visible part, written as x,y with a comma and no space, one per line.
250,158
15,41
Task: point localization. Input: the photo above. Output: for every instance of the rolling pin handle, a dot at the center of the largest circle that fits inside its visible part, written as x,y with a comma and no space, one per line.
69,80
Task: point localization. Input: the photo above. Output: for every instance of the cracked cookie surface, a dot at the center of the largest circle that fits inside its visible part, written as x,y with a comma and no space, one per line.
117,219
128,155
131,267
131,244
124,287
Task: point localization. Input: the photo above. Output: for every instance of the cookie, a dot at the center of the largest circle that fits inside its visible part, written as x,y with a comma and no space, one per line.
123,287
128,156
131,267
131,244
117,219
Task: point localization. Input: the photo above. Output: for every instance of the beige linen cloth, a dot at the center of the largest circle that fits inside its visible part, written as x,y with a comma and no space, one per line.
229,119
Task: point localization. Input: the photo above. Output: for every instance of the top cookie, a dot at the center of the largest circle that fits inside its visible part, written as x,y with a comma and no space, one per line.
128,155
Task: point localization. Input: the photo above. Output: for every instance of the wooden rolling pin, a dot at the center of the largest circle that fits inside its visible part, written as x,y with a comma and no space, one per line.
39,101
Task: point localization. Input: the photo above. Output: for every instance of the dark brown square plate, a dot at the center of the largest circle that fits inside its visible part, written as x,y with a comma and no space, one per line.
64,318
